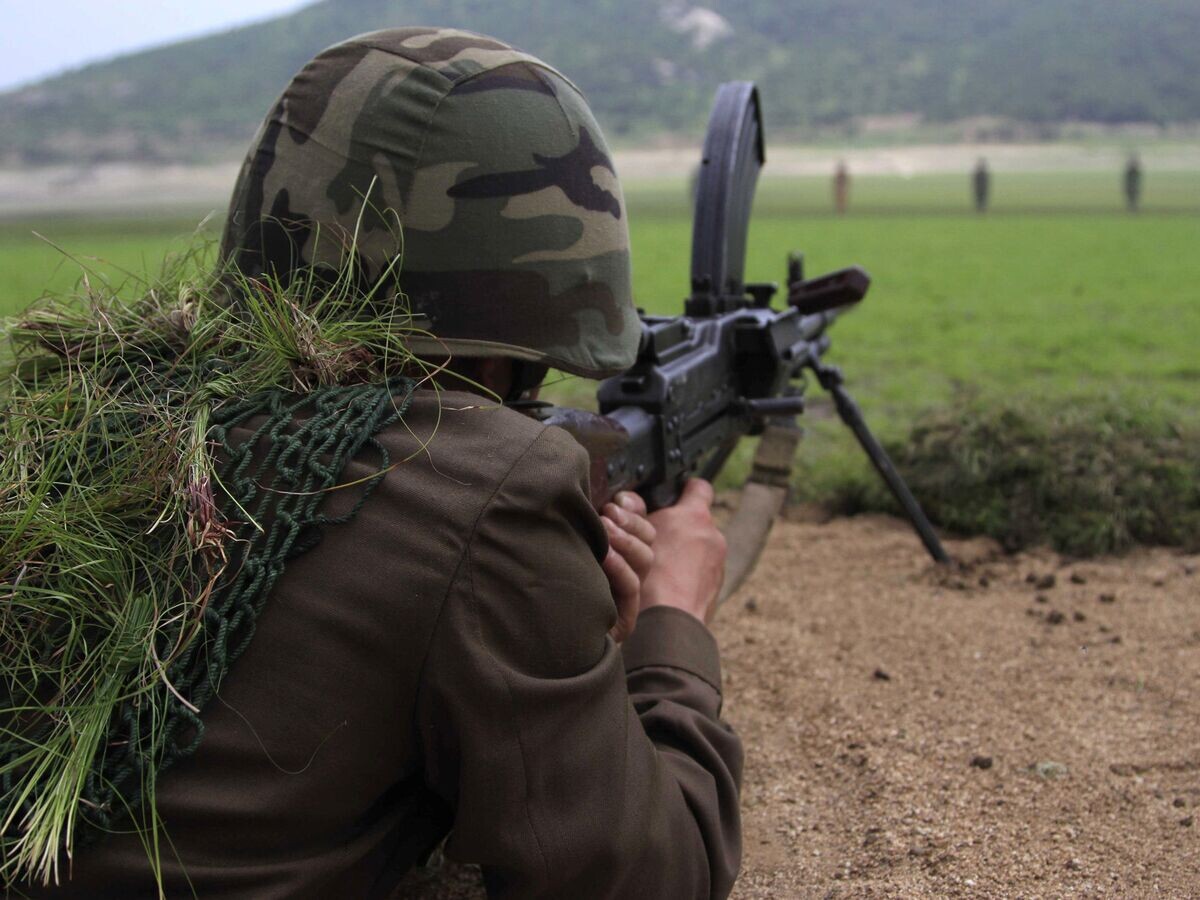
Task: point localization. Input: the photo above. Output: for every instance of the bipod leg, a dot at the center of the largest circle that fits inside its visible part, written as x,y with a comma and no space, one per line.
831,379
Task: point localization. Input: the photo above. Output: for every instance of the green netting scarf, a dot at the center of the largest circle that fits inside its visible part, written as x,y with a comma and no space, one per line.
161,460
280,475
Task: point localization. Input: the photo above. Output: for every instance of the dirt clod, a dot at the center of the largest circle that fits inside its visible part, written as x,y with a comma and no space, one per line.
1054,617
1078,578
1187,821
1049,769
1046,582
981,762
1107,598
880,675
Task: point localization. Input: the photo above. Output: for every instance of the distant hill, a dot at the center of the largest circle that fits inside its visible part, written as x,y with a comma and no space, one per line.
650,66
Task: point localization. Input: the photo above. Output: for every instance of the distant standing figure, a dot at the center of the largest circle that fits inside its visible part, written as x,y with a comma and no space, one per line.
841,187
981,185
1133,183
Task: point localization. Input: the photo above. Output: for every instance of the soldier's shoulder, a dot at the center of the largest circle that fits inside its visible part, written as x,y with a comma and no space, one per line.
471,438
469,418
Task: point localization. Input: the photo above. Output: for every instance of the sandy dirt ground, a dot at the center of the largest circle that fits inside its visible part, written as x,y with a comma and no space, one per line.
115,188
1022,726
130,188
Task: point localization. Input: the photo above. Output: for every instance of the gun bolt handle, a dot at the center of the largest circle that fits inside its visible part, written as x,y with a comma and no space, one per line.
775,406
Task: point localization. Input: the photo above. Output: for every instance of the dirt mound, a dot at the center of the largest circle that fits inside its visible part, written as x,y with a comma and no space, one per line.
1013,726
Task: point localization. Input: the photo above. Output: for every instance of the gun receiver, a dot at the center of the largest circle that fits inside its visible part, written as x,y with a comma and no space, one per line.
732,364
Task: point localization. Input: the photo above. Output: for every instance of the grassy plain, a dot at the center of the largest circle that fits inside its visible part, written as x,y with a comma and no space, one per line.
47,254
1055,294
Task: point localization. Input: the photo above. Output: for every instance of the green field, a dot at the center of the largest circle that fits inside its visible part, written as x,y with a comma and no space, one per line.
1030,303
1018,304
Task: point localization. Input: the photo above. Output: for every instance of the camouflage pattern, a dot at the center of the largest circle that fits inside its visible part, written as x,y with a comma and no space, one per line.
476,166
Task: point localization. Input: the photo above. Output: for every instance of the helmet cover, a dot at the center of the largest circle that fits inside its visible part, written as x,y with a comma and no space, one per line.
512,237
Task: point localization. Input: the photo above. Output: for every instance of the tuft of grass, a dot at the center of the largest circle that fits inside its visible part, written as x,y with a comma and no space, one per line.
1086,478
111,538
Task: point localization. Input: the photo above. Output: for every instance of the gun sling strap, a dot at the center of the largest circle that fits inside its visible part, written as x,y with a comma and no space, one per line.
762,500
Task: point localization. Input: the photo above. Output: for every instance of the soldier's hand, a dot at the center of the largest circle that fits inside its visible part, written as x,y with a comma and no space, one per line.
689,561
630,557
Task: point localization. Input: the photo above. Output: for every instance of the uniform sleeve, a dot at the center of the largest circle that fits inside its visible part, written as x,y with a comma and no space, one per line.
574,769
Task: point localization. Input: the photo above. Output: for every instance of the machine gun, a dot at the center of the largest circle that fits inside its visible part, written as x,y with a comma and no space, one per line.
731,365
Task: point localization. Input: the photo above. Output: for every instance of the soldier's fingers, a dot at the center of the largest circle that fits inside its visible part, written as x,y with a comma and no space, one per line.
627,613
635,523
636,552
632,502
626,590
642,529
697,491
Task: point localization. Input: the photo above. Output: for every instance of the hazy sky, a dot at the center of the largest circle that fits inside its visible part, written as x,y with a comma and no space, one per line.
43,38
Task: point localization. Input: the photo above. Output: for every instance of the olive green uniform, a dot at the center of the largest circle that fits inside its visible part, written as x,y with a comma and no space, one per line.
441,662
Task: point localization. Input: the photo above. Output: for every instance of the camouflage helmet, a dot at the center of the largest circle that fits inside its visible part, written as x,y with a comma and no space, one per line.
512,240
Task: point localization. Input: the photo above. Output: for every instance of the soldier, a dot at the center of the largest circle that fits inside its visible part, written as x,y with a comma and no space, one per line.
981,183
458,661
1132,183
841,188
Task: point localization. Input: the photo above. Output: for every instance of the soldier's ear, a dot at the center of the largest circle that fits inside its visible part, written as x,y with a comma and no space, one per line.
527,378
496,374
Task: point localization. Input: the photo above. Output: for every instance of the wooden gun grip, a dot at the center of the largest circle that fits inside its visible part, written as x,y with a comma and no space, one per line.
602,438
